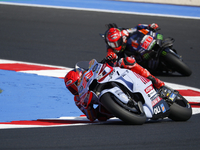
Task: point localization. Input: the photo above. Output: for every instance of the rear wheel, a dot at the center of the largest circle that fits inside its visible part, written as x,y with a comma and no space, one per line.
180,110
109,102
176,64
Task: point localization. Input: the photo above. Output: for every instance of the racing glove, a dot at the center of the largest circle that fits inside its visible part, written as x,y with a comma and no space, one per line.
111,56
153,26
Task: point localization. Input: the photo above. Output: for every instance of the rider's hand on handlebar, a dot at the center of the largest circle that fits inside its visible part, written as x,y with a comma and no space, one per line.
111,56
153,26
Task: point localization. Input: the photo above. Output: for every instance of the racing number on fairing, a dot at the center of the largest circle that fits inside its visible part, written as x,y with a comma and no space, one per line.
86,78
147,42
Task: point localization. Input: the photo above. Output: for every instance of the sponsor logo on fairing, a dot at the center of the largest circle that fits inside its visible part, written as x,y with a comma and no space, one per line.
134,43
86,78
155,101
148,89
172,96
163,108
157,110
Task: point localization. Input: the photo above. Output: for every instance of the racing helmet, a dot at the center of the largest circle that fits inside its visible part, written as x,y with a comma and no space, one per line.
116,39
71,81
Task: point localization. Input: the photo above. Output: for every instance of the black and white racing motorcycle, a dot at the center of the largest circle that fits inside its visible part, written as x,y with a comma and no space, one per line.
127,95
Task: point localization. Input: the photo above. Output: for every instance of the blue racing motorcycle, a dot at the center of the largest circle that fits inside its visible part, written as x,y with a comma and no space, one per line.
155,53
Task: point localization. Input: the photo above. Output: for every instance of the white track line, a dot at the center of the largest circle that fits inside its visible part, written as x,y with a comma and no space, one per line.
99,10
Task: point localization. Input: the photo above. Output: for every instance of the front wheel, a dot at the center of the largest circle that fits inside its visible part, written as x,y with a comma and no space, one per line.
176,64
109,102
180,110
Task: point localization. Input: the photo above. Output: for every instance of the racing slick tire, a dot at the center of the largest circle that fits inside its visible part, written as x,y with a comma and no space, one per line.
176,64
108,101
180,110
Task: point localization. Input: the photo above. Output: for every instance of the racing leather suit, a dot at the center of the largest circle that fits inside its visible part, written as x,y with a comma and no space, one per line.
125,59
92,113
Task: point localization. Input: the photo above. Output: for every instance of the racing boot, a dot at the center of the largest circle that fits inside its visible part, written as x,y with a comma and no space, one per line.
156,82
140,70
145,73
130,63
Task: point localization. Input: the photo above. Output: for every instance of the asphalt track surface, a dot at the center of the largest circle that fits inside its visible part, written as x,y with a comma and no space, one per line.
63,37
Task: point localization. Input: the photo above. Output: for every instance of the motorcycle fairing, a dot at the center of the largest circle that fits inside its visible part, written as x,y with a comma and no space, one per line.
160,108
104,72
124,99
127,77
141,42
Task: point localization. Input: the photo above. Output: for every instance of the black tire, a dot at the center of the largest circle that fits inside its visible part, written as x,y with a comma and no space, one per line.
176,64
129,117
180,110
